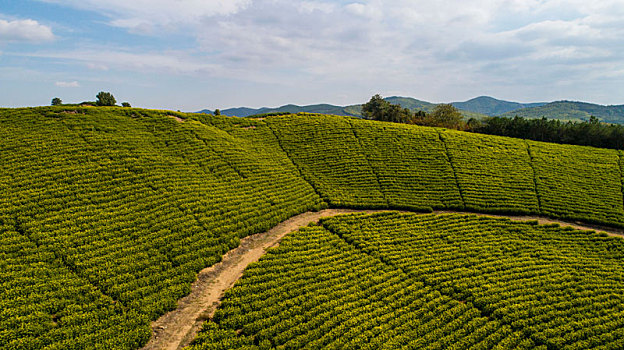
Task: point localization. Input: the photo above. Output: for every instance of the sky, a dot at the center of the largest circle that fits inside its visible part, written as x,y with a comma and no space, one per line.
194,54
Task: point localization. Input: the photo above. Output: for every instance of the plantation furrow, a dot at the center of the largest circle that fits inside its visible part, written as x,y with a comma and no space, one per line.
178,328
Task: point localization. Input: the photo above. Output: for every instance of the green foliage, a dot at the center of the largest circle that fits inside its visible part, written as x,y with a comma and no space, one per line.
271,114
443,115
56,101
379,109
126,104
411,164
558,287
395,280
358,163
105,99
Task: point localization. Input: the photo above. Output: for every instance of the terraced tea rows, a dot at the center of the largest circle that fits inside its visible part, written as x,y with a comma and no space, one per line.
419,168
411,164
330,157
427,281
579,182
494,174
131,207
317,291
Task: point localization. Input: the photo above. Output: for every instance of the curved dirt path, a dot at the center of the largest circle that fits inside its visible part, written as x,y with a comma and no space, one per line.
177,328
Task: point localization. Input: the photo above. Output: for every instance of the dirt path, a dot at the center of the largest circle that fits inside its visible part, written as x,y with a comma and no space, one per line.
178,328
615,232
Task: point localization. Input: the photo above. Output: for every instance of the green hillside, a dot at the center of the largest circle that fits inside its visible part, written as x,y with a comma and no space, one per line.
107,214
379,161
570,110
405,281
121,208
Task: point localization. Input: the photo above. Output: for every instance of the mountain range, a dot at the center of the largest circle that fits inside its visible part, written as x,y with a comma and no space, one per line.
479,107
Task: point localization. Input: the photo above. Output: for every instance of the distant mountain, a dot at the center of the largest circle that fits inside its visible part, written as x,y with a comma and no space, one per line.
479,107
352,110
491,106
319,108
571,110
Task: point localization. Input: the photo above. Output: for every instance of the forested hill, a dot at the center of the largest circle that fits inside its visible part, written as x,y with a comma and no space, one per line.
108,214
570,110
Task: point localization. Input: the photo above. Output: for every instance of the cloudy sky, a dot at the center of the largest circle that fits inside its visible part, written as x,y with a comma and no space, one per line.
195,54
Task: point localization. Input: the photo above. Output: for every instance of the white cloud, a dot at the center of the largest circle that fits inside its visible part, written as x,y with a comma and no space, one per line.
27,30
430,49
67,84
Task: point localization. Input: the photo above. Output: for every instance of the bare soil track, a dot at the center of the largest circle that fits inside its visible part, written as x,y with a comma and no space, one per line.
178,328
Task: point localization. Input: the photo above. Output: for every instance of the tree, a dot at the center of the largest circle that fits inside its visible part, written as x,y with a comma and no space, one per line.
105,99
57,101
125,104
379,109
447,116
217,111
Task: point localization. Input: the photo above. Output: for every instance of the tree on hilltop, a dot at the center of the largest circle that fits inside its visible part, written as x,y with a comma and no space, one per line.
57,101
105,99
379,109
125,104
446,116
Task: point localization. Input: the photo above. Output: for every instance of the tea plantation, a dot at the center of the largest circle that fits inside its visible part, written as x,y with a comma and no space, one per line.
108,214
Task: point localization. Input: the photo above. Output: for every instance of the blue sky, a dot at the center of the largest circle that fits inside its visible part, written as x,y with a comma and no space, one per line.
195,54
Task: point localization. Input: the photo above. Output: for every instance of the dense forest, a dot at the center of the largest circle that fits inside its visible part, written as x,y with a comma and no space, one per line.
585,133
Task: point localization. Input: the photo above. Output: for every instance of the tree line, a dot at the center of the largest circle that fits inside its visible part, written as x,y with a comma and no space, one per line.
103,98
585,133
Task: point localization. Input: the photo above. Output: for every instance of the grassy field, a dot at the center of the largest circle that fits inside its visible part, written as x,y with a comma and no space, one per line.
107,214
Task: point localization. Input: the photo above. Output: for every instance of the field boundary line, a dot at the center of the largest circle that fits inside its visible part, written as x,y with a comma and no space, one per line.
537,194
621,175
450,160
370,165
295,165
62,261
